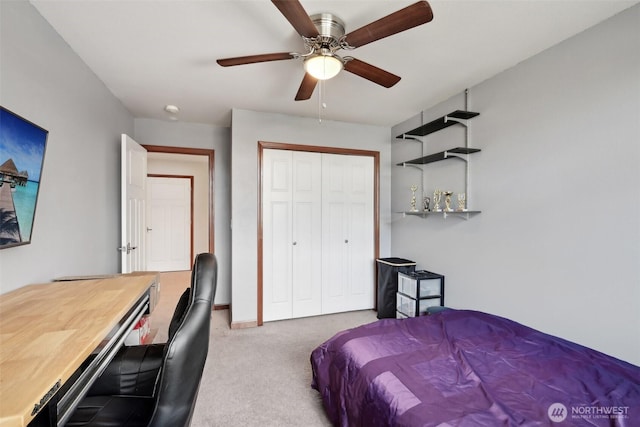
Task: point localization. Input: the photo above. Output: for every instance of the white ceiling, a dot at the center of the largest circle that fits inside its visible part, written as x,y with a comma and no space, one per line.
150,53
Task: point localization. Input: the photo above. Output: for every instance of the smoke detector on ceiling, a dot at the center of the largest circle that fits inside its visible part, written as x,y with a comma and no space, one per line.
171,109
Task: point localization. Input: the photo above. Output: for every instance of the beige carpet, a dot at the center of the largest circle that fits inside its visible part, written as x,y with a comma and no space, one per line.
257,376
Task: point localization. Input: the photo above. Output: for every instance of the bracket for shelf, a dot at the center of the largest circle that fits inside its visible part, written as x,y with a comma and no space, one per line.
460,214
463,157
411,165
445,214
405,137
463,122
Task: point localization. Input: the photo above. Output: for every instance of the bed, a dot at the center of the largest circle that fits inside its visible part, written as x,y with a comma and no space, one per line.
468,368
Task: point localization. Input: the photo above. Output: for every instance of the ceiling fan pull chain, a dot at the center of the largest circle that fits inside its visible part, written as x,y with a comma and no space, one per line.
322,103
320,92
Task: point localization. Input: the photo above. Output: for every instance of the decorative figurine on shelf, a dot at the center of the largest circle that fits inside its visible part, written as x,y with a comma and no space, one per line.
425,204
437,195
447,201
462,202
413,198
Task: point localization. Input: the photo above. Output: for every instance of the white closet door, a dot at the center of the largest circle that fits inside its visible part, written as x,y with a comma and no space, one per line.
361,270
291,234
348,234
277,234
335,255
307,235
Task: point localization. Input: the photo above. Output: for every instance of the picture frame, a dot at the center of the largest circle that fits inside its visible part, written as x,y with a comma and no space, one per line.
22,149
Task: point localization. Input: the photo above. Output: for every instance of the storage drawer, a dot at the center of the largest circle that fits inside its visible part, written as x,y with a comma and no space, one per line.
412,307
401,315
420,284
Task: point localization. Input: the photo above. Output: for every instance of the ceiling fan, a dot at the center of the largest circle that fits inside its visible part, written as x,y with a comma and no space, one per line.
323,35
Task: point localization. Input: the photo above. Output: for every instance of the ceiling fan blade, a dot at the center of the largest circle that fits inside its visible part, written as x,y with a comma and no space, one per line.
252,59
371,73
411,16
297,17
307,87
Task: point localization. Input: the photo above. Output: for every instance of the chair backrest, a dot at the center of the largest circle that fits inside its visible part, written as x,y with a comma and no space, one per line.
186,352
178,314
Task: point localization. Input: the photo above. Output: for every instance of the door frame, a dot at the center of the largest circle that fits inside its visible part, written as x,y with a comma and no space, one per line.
262,145
198,152
190,178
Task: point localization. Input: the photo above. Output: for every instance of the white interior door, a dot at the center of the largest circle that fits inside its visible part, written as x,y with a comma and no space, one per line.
347,233
291,213
168,223
277,241
133,200
360,226
306,260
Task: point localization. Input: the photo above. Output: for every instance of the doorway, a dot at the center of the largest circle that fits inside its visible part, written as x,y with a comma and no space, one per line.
174,155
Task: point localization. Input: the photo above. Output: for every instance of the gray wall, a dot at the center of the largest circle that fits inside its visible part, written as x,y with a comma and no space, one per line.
249,127
193,135
77,223
557,245
76,227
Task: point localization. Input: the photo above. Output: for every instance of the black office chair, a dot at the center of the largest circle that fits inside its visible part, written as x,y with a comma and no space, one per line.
164,392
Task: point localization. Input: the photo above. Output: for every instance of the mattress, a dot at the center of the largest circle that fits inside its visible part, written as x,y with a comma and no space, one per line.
468,368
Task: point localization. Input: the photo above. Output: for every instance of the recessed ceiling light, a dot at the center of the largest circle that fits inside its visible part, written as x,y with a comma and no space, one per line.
172,109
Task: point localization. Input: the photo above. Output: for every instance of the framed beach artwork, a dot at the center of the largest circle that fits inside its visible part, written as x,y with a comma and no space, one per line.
22,147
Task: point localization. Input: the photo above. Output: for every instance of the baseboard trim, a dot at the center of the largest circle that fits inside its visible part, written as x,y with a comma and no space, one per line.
243,325
221,307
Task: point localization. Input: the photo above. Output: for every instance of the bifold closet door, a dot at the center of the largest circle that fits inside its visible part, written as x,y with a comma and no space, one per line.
347,233
291,212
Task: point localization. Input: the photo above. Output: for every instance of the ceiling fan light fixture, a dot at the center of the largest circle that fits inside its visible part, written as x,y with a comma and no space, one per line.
323,67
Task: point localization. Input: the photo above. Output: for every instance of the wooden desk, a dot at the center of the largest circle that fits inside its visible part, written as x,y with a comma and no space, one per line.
47,331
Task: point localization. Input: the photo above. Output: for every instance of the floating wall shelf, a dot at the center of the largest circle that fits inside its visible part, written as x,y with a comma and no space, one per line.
440,123
436,157
445,214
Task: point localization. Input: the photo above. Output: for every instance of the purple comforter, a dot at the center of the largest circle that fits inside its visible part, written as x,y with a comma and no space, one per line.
466,368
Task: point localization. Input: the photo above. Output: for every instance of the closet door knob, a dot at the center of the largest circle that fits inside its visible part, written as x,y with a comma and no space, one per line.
295,243
346,240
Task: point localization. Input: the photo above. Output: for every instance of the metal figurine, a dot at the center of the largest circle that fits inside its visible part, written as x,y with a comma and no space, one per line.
437,196
462,202
447,201
413,198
